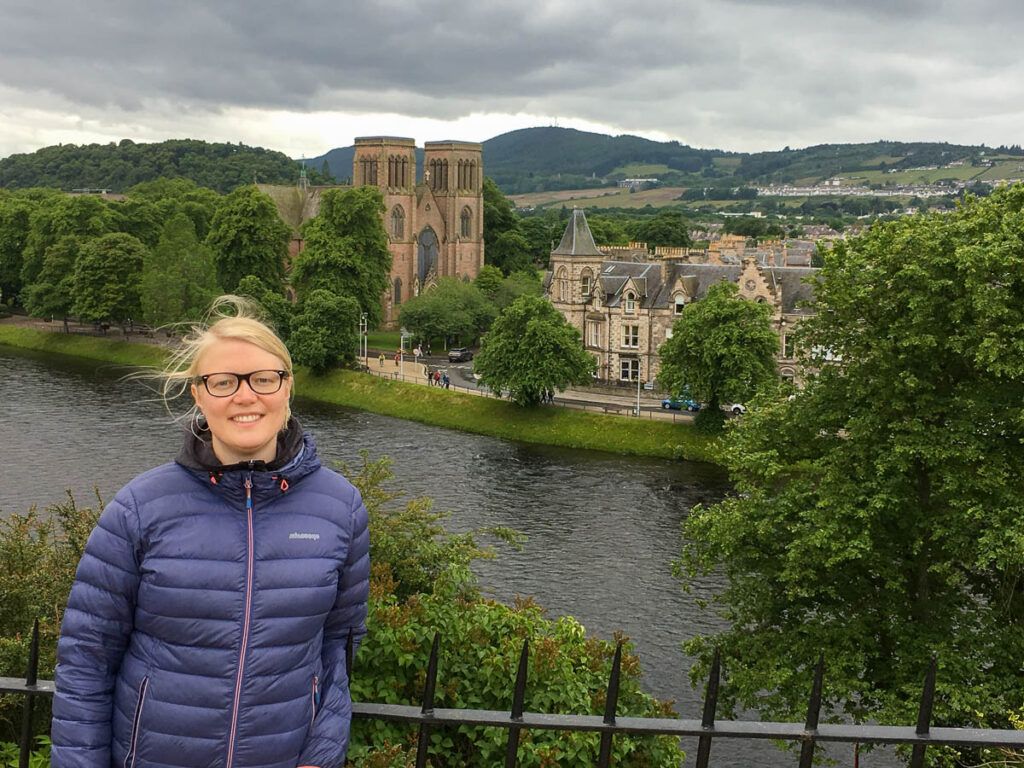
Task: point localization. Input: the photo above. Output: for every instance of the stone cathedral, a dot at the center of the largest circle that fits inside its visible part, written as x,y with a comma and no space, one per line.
435,224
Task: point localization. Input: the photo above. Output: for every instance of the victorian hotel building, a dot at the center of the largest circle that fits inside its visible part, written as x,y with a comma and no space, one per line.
624,300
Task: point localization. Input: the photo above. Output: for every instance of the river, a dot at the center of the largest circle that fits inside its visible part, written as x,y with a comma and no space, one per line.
602,530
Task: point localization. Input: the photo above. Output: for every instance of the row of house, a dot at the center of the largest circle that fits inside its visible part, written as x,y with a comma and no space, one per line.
624,300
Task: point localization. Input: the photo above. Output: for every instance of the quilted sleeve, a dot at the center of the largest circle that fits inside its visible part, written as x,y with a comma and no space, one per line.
328,740
94,635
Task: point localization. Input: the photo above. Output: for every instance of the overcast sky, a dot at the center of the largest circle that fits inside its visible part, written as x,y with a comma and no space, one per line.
306,76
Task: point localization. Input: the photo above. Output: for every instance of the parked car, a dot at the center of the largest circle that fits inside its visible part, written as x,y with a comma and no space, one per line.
679,403
736,409
459,354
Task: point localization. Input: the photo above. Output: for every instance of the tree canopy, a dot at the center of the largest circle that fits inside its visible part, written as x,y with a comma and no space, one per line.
346,250
324,330
878,513
722,349
219,166
248,238
107,278
178,279
531,348
451,309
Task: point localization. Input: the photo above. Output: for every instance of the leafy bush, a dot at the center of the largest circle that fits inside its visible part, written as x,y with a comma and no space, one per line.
39,553
478,657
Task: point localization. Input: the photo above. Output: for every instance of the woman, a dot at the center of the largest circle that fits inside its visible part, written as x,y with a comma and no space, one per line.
210,614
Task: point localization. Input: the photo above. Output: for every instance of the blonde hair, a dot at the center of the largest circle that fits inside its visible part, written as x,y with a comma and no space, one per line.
229,317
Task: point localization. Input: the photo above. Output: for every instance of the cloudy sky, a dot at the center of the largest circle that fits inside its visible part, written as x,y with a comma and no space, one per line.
306,76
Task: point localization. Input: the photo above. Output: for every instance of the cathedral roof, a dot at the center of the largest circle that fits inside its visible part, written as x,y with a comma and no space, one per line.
577,240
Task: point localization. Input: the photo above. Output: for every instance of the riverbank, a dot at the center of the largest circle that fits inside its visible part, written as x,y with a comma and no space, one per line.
438,407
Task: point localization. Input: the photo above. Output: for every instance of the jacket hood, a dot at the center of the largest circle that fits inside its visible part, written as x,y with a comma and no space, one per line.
296,457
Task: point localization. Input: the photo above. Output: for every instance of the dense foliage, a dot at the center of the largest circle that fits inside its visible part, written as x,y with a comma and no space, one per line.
722,349
248,238
421,585
346,250
116,167
532,349
453,310
878,513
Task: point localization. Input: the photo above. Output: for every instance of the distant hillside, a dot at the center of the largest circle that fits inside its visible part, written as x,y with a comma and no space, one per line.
551,159
117,167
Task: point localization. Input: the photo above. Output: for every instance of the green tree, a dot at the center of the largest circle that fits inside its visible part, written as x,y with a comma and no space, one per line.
173,195
505,246
279,310
722,349
15,214
58,215
107,277
346,250
489,280
452,309
325,331
509,251
51,294
178,279
248,238
531,348
877,514
668,227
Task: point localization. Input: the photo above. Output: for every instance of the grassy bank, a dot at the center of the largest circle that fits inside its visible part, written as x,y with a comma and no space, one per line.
443,408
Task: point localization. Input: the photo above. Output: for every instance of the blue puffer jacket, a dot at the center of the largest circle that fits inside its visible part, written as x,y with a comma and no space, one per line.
209,617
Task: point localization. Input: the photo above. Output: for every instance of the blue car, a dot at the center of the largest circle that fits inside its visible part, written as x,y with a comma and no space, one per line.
679,402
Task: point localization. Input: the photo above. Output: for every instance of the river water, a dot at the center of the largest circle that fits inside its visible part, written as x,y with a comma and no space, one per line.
602,530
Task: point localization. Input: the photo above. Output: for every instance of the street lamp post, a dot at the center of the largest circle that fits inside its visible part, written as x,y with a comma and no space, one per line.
364,327
638,383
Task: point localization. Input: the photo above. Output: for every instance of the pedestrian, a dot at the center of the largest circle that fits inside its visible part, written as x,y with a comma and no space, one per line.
426,371
209,617
381,359
398,356
437,378
447,381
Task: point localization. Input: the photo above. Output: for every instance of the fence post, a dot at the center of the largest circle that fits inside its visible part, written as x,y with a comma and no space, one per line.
710,706
611,702
428,706
516,714
26,712
924,714
813,710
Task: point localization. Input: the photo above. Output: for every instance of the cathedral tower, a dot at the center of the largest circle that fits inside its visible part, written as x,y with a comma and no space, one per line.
435,226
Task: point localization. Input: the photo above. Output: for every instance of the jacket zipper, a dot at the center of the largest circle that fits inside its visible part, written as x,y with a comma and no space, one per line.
129,758
316,700
245,626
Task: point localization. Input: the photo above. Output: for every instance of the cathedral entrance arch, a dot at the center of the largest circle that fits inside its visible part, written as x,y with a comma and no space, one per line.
426,254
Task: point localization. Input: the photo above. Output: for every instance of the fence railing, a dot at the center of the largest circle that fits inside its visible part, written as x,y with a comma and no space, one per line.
809,734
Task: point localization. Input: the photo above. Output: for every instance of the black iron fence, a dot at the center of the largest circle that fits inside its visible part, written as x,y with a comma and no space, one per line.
808,734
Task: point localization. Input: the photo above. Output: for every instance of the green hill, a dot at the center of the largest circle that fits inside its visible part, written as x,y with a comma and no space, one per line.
116,167
553,159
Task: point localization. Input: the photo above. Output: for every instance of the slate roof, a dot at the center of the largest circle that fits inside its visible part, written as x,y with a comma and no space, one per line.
577,240
659,281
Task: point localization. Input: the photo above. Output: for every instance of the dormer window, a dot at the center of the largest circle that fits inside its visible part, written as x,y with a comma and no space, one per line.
630,303
679,305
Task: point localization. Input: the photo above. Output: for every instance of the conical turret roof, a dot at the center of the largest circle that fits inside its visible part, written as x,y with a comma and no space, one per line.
577,240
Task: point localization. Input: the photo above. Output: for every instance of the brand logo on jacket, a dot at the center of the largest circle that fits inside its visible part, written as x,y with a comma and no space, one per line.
311,536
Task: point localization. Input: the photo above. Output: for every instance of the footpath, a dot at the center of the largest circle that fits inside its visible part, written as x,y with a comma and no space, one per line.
622,402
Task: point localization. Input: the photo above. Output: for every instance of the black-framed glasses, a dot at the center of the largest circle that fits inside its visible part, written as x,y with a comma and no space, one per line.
260,382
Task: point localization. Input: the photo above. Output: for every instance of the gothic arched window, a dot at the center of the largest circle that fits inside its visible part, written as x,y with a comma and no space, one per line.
398,222
398,291
467,222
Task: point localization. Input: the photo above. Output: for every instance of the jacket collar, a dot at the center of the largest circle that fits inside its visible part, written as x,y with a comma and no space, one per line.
296,458
197,450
